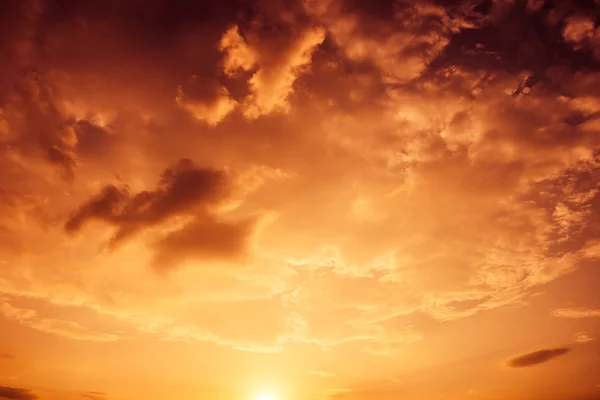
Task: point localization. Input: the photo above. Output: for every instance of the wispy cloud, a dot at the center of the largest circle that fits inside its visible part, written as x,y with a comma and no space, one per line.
322,374
576,313
582,337
67,329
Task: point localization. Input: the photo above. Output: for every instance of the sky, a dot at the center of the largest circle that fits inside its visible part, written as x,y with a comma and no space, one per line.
299,200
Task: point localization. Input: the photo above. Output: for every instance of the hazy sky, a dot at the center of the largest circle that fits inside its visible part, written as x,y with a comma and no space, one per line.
299,200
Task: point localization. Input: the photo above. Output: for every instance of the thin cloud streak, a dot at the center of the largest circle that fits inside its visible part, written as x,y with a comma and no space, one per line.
537,357
576,313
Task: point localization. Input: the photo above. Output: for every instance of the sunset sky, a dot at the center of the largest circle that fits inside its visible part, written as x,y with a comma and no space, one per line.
299,200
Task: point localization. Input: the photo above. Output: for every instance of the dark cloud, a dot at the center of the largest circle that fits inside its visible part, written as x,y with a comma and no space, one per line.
183,189
517,38
55,45
93,140
537,357
204,238
37,125
6,356
11,393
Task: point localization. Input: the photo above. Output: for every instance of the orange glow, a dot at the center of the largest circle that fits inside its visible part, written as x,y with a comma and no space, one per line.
299,200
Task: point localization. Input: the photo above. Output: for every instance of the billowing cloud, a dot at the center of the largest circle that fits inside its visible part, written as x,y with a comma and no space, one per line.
398,39
276,69
10,393
182,189
537,357
212,106
239,56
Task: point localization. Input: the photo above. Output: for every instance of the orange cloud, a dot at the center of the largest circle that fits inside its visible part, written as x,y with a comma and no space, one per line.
67,329
583,337
272,81
239,56
213,113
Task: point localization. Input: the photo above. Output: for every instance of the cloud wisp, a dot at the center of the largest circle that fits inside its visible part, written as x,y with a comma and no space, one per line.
576,313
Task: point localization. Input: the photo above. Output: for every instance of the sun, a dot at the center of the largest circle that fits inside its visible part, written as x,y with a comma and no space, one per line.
266,396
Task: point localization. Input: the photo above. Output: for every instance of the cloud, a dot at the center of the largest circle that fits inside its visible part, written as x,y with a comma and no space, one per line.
474,47
185,193
204,238
537,357
36,124
182,189
583,337
576,313
578,28
10,393
67,329
271,85
399,40
6,356
276,69
238,55
71,330
212,106
11,312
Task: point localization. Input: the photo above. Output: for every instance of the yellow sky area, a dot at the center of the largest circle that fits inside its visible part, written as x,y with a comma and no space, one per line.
324,199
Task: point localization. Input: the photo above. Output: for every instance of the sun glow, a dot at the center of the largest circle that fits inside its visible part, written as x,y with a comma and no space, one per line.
266,396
